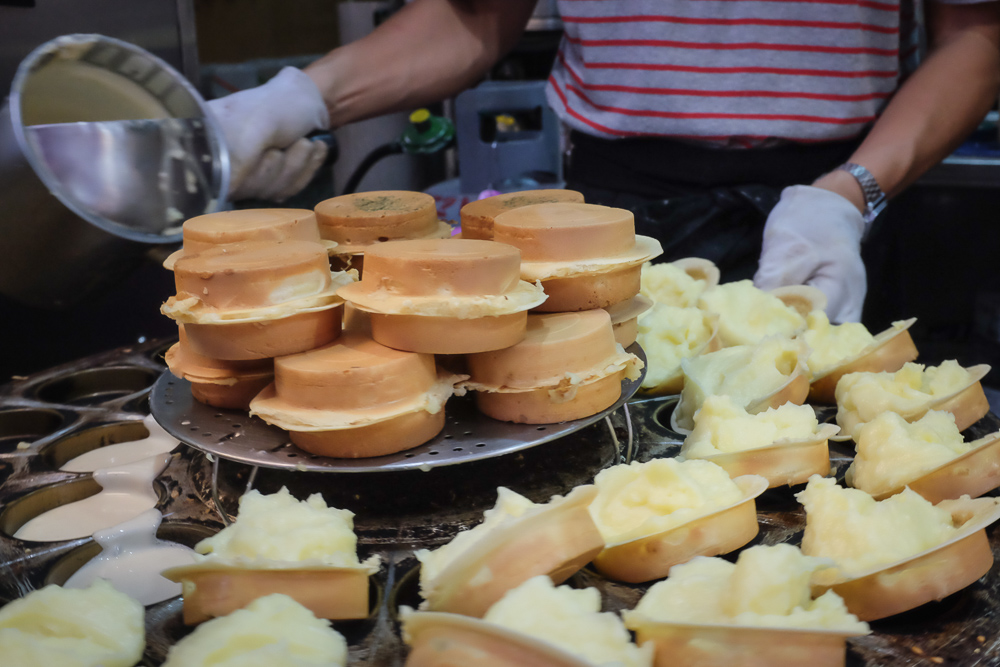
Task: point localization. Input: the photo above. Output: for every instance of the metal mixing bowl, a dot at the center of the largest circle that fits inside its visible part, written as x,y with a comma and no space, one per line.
104,151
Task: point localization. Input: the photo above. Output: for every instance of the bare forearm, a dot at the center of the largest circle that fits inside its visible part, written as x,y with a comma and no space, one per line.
937,107
429,50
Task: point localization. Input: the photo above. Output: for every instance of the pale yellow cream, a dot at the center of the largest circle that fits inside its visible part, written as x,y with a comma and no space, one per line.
863,396
272,631
639,499
892,453
509,507
722,426
570,619
747,373
831,345
768,586
668,335
859,533
670,285
72,628
278,530
748,315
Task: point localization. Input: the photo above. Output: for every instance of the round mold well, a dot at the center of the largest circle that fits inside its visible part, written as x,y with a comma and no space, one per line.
27,425
139,404
664,412
95,386
67,448
181,532
406,592
21,510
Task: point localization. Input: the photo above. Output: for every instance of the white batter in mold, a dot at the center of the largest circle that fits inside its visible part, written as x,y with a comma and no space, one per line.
132,558
122,453
126,492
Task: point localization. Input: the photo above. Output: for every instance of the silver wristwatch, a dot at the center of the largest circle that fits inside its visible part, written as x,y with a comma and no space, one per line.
875,199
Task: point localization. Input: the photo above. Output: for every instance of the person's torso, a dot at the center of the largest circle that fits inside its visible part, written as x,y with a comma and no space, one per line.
731,72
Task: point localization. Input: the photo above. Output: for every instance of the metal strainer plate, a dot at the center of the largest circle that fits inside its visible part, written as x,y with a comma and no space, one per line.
468,435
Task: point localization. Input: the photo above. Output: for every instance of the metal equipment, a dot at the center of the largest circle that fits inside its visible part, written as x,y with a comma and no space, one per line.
104,150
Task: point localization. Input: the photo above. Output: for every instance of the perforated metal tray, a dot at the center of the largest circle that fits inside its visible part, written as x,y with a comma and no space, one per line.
468,435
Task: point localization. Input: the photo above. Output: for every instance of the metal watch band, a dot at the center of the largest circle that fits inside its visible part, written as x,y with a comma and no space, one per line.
875,199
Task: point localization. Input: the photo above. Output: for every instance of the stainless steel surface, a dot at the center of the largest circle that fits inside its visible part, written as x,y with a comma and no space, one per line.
69,230
397,513
138,175
468,435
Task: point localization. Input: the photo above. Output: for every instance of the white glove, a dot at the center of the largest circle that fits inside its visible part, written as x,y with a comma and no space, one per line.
264,128
813,237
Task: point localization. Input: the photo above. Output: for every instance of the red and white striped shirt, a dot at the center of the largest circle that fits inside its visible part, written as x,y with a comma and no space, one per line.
730,72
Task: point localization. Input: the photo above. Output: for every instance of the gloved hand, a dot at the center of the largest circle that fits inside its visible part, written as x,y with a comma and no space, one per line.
265,128
813,237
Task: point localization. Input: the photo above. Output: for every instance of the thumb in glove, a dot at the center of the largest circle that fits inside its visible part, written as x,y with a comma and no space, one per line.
273,116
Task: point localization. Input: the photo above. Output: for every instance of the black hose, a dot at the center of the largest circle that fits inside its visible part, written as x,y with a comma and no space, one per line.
385,150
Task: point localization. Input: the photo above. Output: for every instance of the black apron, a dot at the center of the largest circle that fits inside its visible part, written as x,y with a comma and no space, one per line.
697,201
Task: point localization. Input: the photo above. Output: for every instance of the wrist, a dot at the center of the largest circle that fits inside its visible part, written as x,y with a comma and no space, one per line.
844,185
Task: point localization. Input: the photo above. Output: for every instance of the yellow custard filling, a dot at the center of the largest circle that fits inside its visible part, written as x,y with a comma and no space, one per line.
722,426
638,499
747,315
272,630
863,396
768,586
891,452
570,619
668,335
72,628
670,285
860,533
509,506
277,530
831,345
747,373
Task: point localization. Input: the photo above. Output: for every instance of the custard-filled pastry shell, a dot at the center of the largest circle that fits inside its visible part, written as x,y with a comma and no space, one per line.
968,404
803,298
690,645
723,530
794,390
213,589
930,575
891,349
673,380
970,474
555,539
439,639
783,463
700,269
